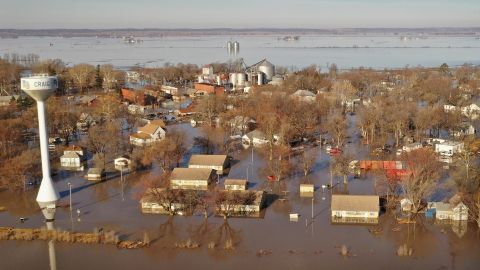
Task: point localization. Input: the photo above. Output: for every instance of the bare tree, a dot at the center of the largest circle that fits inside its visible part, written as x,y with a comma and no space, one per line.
81,75
424,172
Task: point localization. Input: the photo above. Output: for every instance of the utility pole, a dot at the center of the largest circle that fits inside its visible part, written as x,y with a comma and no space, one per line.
70,195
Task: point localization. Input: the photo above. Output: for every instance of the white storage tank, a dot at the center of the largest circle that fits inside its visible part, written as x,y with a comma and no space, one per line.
229,47
219,80
233,78
260,78
267,68
236,46
241,77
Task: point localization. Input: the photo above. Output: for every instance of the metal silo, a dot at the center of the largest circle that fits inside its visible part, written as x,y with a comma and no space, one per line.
219,80
236,47
241,77
260,78
267,68
229,47
233,78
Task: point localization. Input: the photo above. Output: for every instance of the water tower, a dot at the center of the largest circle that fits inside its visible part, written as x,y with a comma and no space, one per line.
41,88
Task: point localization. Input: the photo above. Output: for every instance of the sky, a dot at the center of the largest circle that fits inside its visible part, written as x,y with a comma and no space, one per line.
40,14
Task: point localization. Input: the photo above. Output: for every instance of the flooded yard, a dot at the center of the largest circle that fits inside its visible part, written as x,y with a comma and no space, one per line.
270,242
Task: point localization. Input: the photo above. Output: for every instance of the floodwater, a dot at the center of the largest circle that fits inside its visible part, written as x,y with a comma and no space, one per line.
376,51
306,244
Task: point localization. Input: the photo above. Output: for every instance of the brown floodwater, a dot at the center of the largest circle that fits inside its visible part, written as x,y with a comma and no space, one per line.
306,244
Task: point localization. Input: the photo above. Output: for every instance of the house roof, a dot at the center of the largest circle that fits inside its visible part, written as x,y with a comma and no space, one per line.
142,136
94,171
158,122
237,182
207,160
73,148
370,203
149,129
441,206
256,134
70,155
191,174
303,93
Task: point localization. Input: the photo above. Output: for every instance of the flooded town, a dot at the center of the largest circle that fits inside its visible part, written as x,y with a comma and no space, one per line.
243,157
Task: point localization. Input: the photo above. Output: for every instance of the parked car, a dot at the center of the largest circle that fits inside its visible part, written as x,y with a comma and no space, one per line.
335,151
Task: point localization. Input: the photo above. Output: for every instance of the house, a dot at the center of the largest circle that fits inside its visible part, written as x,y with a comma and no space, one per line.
95,174
8,100
449,148
464,129
72,158
138,109
170,90
219,163
150,205
86,100
304,96
236,184
355,208
409,147
137,97
307,190
191,178
406,204
241,124
471,111
85,121
122,163
251,207
148,134
448,211
257,138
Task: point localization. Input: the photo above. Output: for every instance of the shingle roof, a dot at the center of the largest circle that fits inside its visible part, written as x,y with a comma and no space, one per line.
142,136
191,174
158,122
148,129
207,160
70,155
238,182
369,203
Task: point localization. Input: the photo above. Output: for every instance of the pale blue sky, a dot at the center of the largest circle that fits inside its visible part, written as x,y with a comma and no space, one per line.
238,14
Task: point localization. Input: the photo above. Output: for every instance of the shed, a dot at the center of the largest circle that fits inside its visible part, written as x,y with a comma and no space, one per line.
122,163
95,174
307,190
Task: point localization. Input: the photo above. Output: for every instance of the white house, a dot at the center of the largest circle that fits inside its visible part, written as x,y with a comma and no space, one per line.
355,208
465,129
148,134
249,208
150,205
447,211
95,174
191,178
72,158
236,184
219,163
471,111
449,148
409,147
406,204
257,138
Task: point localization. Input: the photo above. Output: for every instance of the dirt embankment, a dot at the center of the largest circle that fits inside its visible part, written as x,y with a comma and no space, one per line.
102,237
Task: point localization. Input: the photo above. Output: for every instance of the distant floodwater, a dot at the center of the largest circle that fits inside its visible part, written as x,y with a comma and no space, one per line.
380,51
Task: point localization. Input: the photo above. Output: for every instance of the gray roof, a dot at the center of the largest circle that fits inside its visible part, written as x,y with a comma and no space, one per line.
207,160
303,93
191,174
70,154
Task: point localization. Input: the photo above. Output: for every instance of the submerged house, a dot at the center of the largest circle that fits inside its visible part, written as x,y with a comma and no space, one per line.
250,204
72,158
95,174
355,208
148,134
219,163
448,211
191,178
236,184
150,204
256,138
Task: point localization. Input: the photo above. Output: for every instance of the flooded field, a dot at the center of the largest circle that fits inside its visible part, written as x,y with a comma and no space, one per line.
376,51
270,242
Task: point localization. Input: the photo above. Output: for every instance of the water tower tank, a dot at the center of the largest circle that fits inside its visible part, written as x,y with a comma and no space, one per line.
241,77
233,78
267,68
